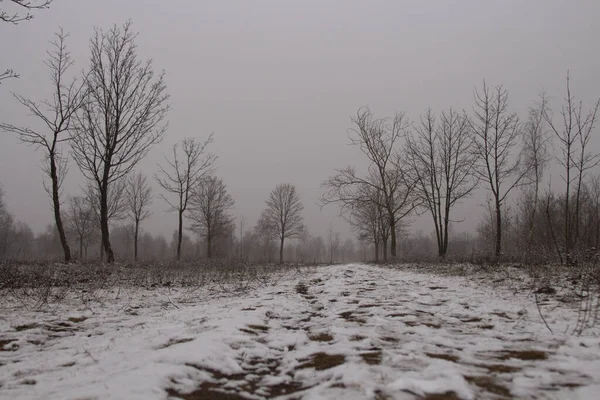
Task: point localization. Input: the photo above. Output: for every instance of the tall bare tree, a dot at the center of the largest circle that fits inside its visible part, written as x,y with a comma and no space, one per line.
535,157
209,211
122,116
57,116
282,218
378,139
138,199
573,133
80,217
497,131
181,174
441,158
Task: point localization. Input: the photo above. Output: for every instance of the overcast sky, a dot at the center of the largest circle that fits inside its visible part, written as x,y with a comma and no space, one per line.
277,81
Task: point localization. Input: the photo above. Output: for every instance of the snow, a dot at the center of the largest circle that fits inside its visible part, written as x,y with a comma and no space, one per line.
358,332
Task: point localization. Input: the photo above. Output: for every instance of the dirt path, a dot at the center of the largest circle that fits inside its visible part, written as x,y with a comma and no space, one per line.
349,332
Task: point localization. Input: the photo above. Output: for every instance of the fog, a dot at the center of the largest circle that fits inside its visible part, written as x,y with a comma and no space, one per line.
277,82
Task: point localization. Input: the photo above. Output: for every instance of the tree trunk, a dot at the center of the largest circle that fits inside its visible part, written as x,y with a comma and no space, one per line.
179,236
498,250
393,236
568,212
376,251
56,204
385,249
281,251
209,246
135,240
110,257
80,247
444,240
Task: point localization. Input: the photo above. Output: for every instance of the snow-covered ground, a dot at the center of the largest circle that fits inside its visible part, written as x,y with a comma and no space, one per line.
352,332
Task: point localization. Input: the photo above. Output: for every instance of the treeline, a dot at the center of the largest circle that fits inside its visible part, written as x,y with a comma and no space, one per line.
107,118
431,165
239,242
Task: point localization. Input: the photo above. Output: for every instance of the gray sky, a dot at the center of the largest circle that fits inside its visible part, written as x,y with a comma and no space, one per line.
277,81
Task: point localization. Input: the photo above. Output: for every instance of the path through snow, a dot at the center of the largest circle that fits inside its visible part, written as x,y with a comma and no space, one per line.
352,332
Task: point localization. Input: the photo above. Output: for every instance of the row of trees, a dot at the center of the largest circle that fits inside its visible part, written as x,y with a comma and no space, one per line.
430,166
111,116
234,241
113,113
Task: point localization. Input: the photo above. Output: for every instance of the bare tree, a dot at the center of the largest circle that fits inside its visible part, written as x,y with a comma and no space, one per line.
535,157
138,199
181,175
497,132
80,217
14,17
209,211
369,220
378,140
6,226
122,116
576,159
441,158
242,227
57,115
282,218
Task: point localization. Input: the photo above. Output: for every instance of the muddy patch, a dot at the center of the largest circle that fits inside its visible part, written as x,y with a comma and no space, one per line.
488,384
5,345
523,355
173,342
321,337
357,338
372,357
350,317
77,320
322,361
26,327
301,288
443,356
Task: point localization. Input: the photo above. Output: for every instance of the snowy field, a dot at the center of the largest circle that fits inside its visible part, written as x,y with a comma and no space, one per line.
351,332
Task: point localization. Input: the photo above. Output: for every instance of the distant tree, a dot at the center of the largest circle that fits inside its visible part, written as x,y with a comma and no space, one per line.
282,218
348,251
536,155
57,115
209,211
121,117
497,132
573,133
6,226
80,217
138,198
441,157
378,140
369,220
181,175
242,227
